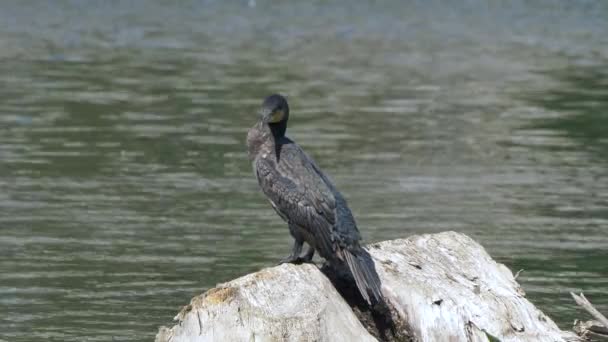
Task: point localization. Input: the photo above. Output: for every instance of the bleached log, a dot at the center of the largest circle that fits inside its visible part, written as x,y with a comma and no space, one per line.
586,304
590,330
283,303
440,287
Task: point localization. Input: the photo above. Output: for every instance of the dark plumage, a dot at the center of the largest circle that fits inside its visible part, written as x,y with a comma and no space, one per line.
306,199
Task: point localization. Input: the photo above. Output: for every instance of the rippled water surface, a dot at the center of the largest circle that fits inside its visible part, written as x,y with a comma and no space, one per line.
124,184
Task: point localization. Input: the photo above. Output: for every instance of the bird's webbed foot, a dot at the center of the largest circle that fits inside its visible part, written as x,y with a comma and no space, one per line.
291,259
296,258
300,259
295,253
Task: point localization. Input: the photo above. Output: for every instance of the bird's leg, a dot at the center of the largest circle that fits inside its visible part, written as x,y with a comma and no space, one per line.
308,256
294,257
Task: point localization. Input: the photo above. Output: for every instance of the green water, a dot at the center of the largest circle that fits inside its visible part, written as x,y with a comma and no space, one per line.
124,183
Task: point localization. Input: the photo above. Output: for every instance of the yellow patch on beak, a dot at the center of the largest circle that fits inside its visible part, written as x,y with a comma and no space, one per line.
277,116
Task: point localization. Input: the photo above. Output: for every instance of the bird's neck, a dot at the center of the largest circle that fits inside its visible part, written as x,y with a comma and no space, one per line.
278,130
275,138
263,138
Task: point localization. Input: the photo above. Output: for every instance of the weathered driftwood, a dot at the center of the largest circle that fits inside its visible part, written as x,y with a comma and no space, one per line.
287,302
441,287
590,330
586,304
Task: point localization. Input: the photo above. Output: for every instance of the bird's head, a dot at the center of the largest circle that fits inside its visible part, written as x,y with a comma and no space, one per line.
275,110
270,127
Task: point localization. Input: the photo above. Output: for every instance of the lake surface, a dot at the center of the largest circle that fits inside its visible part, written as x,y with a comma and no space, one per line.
124,184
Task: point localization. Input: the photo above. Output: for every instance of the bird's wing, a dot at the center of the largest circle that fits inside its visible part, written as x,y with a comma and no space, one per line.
300,193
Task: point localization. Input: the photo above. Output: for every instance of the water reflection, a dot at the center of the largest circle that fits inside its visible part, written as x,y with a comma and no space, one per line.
583,99
566,138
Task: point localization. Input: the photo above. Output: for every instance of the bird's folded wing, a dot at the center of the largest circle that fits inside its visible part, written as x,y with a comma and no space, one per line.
299,193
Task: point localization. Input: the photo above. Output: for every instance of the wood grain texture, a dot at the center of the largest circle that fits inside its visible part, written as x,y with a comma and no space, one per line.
444,287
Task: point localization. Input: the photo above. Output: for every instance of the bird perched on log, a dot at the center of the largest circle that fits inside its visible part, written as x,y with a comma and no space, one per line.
315,211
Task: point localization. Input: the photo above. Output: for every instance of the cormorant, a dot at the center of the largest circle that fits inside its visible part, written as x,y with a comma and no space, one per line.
307,200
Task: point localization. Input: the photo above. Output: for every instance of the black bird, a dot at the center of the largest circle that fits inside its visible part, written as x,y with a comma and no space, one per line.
306,199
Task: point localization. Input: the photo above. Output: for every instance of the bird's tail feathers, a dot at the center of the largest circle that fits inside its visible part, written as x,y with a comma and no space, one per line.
362,268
